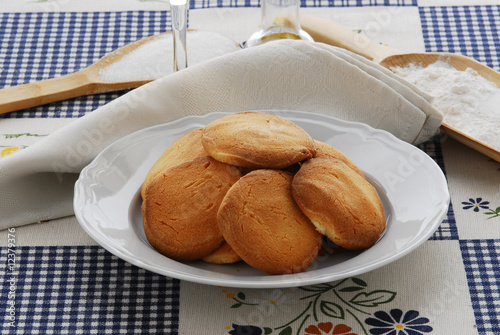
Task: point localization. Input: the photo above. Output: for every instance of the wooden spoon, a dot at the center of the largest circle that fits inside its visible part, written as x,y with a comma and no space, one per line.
326,31
83,82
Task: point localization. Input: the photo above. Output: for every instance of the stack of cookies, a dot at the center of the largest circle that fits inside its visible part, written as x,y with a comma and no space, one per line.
254,186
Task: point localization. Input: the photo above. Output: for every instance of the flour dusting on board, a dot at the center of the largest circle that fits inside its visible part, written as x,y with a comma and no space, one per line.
470,103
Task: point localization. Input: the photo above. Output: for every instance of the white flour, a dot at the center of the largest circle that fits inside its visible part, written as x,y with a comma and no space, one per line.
469,102
154,59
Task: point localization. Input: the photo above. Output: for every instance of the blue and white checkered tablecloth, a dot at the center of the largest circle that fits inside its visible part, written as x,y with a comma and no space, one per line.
80,289
70,285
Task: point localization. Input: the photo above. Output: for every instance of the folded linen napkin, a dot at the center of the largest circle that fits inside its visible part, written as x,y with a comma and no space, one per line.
37,183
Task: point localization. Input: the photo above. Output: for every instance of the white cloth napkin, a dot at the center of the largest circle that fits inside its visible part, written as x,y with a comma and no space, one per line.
37,183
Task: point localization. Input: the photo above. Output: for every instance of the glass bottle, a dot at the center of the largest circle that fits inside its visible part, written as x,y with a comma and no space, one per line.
279,20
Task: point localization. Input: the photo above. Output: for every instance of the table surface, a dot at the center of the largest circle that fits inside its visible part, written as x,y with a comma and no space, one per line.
60,281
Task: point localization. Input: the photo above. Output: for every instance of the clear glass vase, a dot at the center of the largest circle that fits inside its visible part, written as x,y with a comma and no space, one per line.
279,20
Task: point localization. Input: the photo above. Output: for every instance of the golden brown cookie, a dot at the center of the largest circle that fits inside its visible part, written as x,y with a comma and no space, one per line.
262,223
257,140
326,150
185,148
342,205
223,255
180,207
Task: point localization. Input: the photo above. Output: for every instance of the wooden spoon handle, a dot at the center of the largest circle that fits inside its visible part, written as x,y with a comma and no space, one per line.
45,91
326,31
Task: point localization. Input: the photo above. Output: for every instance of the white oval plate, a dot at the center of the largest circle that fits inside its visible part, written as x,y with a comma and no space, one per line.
412,187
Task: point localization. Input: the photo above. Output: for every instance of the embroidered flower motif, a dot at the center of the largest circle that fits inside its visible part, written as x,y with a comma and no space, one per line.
476,204
8,151
239,298
275,301
247,330
493,213
395,323
324,328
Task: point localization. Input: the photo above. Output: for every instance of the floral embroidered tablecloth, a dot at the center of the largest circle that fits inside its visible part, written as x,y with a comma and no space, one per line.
56,279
